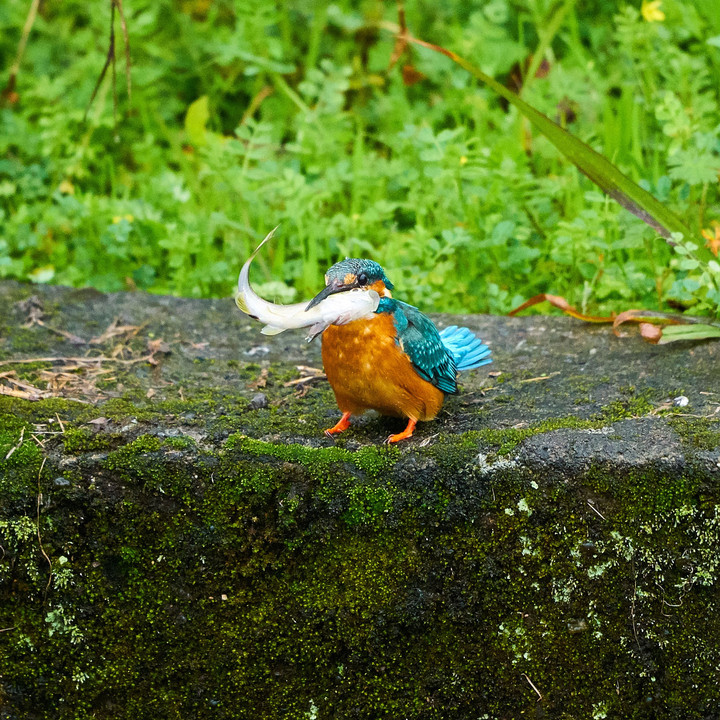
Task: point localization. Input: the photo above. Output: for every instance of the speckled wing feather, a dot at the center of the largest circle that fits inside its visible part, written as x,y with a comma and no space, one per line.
419,339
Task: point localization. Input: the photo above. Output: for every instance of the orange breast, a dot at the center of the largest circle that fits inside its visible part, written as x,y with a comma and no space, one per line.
368,371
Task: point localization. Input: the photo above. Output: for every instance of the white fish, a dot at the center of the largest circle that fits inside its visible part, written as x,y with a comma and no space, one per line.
336,309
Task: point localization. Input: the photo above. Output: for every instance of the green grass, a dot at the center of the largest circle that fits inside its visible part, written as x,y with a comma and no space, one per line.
249,115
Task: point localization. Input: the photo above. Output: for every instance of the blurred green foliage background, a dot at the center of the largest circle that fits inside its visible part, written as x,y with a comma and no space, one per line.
246,115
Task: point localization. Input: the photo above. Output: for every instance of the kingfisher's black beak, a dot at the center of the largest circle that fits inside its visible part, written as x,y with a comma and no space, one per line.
331,289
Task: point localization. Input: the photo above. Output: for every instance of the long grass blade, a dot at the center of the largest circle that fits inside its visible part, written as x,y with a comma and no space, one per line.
591,163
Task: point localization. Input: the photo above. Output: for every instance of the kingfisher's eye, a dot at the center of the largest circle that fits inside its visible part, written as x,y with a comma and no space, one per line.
362,279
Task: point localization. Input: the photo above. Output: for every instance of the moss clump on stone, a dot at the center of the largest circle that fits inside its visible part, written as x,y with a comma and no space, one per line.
627,408
700,433
81,440
255,577
198,555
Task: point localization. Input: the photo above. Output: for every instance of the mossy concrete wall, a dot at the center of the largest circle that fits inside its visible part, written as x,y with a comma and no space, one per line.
178,539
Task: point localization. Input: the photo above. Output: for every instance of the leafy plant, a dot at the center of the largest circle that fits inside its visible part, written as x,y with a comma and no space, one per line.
247,116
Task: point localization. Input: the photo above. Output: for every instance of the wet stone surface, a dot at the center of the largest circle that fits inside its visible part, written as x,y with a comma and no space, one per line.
180,539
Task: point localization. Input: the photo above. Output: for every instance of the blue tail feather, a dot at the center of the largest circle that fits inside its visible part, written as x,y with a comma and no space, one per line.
468,350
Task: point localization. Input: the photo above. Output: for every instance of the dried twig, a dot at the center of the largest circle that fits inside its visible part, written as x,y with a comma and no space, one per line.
5,390
15,447
304,380
255,103
9,91
401,43
75,376
309,374
34,308
113,330
83,360
74,339
42,549
537,379
632,606
532,685
111,59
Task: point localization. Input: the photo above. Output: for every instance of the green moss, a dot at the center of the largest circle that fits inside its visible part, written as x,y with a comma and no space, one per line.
506,440
641,494
180,443
367,504
82,440
627,408
699,433
20,464
28,412
376,461
10,423
29,371
297,577
135,460
28,341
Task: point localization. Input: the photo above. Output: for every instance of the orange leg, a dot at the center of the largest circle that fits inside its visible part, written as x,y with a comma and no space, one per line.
406,433
342,424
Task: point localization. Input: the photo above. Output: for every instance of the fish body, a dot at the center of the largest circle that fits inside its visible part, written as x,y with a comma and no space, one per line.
334,310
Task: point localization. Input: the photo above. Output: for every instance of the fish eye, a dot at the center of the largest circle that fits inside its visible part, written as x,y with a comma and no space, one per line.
362,279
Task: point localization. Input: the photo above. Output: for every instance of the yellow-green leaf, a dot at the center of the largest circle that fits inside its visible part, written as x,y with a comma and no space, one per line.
697,331
195,120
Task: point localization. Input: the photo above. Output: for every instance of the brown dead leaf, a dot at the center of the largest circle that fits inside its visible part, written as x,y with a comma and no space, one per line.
650,333
562,304
411,75
301,392
646,317
519,71
260,381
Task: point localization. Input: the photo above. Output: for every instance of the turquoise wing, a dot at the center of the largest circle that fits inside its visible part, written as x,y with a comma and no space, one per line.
418,337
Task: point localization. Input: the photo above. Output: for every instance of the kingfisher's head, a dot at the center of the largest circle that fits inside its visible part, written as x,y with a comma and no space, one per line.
354,273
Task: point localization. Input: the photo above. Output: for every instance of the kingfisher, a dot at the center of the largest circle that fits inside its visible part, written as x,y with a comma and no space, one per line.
392,359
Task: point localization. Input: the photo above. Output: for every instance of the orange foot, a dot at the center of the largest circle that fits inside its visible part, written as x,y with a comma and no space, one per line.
406,433
342,424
